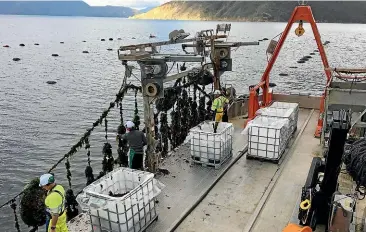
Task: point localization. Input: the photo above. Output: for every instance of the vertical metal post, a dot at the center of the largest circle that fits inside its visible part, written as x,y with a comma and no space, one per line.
216,63
362,130
149,128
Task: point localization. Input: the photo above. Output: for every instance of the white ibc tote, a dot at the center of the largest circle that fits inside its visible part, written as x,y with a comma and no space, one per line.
134,211
267,137
211,148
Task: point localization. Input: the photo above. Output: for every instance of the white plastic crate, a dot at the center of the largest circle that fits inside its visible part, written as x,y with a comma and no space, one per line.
289,113
268,137
211,148
134,211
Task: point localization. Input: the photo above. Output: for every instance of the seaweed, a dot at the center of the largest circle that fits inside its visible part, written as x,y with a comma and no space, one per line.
169,100
164,130
32,206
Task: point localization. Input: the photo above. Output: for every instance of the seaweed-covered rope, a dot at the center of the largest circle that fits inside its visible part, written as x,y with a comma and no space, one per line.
119,96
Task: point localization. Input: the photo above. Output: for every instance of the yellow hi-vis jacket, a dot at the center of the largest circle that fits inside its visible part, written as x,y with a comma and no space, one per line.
55,203
219,103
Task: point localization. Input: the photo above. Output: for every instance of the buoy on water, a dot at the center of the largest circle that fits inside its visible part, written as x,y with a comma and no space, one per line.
283,74
272,85
6,46
85,52
109,49
22,45
110,39
16,59
51,82
54,54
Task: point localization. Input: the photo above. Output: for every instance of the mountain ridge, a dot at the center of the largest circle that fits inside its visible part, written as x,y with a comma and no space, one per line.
63,8
254,11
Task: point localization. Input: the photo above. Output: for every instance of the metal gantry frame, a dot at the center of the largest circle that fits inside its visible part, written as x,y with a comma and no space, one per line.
154,71
346,90
301,13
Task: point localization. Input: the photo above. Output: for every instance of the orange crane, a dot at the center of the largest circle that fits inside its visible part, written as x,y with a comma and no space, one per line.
301,13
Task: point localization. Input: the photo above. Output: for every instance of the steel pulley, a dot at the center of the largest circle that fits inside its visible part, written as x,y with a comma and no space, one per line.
152,89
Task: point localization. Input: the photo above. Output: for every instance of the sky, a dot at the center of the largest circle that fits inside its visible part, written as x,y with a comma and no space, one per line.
128,3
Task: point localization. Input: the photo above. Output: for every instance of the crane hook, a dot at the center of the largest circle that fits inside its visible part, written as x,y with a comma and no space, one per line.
300,30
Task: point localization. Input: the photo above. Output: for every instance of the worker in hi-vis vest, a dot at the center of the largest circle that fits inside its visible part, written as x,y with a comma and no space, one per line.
55,203
218,107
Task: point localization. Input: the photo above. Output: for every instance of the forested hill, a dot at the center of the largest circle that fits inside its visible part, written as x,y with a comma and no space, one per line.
277,11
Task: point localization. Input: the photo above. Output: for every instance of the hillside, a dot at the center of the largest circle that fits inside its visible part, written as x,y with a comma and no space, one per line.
278,11
62,8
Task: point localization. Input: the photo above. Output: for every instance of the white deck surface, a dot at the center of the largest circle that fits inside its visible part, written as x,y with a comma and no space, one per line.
233,202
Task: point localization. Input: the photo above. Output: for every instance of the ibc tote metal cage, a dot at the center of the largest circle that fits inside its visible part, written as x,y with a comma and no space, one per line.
211,149
134,211
267,142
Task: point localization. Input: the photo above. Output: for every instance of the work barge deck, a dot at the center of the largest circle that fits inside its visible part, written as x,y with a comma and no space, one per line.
244,194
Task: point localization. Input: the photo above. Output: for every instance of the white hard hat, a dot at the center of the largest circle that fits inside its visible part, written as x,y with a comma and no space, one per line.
46,179
129,124
217,91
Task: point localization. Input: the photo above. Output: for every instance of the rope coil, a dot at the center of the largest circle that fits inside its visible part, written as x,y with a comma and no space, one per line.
355,161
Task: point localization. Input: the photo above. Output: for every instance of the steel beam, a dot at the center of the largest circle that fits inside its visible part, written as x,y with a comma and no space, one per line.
224,44
178,58
169,42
